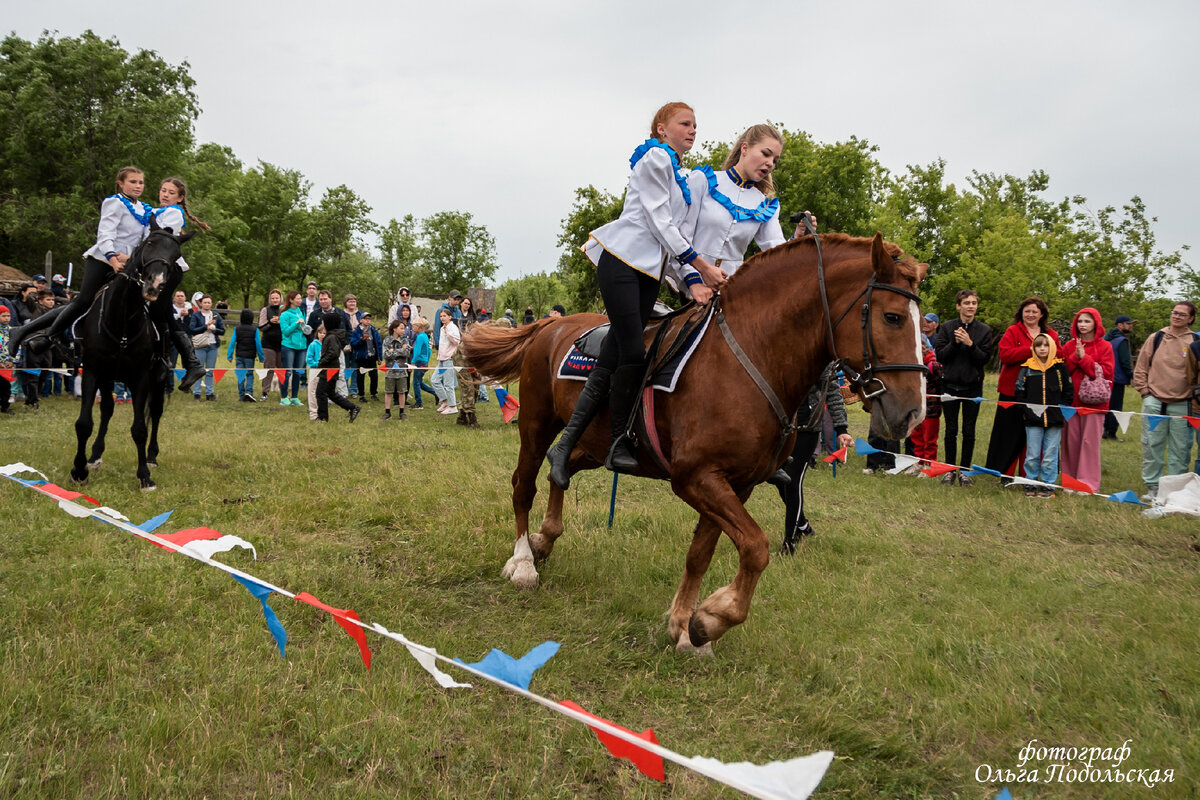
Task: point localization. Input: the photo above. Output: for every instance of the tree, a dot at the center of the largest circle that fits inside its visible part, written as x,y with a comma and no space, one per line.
592,208
458,254
539,291
72,112
401,255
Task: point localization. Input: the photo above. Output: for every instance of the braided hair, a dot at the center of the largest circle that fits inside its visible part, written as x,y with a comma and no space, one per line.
182,188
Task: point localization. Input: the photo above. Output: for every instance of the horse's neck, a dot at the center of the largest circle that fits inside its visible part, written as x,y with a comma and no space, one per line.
783,312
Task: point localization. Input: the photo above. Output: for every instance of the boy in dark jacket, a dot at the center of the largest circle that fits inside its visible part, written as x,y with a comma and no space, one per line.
963,346
244,348
331,349
1043,385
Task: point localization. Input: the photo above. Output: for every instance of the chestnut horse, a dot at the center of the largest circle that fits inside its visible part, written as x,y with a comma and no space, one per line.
719,431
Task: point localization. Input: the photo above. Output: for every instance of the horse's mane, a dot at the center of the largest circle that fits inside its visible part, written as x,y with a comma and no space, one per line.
831,245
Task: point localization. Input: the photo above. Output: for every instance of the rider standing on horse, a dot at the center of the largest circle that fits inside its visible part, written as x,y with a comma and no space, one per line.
631,255
123,223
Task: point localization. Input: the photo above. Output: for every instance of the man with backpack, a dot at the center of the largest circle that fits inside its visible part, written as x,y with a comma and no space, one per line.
1161,378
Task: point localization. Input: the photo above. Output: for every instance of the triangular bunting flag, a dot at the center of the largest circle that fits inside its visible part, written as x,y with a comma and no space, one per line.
66,494
796,779
149,525
1194,422
1067,412
947,397
281,375
340,616
1127,496
1154,419
1088,410
207,548
1037,408
1004,795
273,624
12,469
179,373
1075,485
978,470
7,374
836,455
501,666
425,656
112,513
648,763
181,538
1122,419
217,375
1005,403
938,468
977,400
331,374
508,405
903,462
1021,481
863,449
365,370
239,373
260,373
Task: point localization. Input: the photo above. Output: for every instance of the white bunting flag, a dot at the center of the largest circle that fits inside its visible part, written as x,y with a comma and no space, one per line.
779,780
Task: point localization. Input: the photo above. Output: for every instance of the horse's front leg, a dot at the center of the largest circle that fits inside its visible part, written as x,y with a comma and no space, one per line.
520,567
106,412
700,553
83,428
139,431
156,409
713,497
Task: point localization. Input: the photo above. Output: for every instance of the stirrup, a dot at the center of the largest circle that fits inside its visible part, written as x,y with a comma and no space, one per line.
622,456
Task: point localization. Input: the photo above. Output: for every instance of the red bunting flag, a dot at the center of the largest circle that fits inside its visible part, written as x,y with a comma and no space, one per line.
1005,403
281,375
190,535
7,374
509,409
647,763
836,455
1071,483
938,468
66,494
218,374
340,616
1083,411
1194,422
331,374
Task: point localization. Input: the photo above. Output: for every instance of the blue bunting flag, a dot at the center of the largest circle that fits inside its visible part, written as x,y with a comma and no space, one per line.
518,672
273,624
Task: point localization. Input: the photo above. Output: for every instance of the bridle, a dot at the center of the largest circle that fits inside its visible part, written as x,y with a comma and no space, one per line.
133,273
862,383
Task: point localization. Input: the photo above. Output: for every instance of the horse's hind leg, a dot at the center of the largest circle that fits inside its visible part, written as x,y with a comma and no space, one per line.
156,409
83,428
713,497
704,543
106,412
139,431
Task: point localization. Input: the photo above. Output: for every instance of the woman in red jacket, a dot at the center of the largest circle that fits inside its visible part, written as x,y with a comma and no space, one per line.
1008,430
1081,436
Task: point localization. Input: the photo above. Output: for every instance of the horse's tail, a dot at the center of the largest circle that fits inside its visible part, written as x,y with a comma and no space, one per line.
499,352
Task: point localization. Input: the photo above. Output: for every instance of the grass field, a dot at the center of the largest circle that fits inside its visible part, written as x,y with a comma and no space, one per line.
924,632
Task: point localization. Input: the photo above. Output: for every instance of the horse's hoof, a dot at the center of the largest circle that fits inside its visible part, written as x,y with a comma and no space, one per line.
95,464
521,572
149,485
153,464
685,646
696,633
79,481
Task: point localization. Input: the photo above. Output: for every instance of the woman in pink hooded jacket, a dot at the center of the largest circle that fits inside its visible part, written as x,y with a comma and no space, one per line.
1081,436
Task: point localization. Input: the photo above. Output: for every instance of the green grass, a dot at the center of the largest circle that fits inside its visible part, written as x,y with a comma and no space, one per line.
924,631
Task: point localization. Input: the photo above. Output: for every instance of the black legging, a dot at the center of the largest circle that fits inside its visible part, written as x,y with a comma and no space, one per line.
970,410
629,298
792,494
96,273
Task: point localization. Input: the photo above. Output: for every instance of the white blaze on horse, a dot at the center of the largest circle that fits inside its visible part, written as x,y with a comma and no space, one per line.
726,428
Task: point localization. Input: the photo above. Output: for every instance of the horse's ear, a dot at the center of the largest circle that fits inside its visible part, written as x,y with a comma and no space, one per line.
922,271
885,265
183,237
154,226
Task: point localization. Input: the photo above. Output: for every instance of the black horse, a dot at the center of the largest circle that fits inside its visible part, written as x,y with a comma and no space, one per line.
120,343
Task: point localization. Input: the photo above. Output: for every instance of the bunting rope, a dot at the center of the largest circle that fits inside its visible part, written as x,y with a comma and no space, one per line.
794,779
1123,417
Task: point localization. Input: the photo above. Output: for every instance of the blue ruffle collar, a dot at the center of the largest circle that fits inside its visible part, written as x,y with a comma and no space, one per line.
766,209
680,178
143,217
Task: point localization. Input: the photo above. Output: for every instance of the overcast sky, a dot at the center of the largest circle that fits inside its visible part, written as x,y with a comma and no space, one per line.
503,109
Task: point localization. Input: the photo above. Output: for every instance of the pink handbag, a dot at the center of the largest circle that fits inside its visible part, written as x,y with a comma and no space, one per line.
1094,391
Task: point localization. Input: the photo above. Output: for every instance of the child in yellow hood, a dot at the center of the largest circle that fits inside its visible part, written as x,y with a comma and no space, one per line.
1043,385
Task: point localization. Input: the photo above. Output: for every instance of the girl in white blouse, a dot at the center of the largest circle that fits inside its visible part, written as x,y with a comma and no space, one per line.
173,213
631,255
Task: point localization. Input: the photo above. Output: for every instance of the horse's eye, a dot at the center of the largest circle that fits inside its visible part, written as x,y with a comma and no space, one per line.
892,319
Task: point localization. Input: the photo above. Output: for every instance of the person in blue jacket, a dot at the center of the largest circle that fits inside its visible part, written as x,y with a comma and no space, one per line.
366,345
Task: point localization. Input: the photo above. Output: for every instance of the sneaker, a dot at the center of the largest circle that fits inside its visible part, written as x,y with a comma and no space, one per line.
385,416
250,398
805,530
1046,492
442,406
1151,495
211,397
869,471
195,397
285,402
245,399
949,478
966,480
354,412
417,407
1031,491
402,415
449,410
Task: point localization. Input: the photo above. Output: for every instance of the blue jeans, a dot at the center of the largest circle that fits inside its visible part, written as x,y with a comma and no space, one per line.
1041,453
208,359
445,381
293,362
418,383
245,373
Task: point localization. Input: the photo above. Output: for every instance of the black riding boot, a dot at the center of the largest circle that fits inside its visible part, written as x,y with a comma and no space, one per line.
591,400
626,383
187,356
22,333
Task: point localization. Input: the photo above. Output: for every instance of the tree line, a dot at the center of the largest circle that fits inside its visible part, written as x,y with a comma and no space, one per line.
75,110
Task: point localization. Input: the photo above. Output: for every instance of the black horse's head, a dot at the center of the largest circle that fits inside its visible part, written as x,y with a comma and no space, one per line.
153,259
